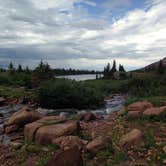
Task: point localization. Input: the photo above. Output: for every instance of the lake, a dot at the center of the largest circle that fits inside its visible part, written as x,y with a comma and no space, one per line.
80,77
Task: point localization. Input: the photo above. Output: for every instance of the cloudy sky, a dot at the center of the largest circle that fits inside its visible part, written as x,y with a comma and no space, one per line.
82,33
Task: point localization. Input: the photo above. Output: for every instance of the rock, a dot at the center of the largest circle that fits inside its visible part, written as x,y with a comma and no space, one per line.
11,129
15,144
52,120
87,117
31,128
70,157
46,134
134,114
23,117
154,111
67,142
97,144
1,115
133,138
139,106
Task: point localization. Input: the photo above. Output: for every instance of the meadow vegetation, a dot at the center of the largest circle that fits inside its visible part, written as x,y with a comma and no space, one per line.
41,85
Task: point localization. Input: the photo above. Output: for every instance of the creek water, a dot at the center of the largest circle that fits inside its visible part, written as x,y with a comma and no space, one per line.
5,113
114,103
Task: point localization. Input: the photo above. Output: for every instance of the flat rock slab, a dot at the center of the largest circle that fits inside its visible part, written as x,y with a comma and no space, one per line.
155,111
46,134
24,116
47,129
140,106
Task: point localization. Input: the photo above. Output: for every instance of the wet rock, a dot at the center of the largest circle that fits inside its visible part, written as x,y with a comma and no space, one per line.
140,106
24,116
70,157
67,142
2,101
86,117
157,111
1,131
12,128
97,144
31,128
133,138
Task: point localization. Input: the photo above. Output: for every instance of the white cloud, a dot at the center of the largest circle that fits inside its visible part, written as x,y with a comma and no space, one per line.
67,35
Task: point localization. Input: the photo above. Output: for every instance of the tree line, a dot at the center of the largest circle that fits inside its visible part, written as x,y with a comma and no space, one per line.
110,71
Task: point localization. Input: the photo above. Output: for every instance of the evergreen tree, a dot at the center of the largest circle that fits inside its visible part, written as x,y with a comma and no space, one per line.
11,68
160,67
19,69
107,70
42,72
121,68
27,71
113,69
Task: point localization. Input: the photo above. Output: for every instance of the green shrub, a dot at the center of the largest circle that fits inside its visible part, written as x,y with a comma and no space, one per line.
69,94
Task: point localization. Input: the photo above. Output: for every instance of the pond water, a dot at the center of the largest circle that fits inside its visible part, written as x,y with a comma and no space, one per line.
80,77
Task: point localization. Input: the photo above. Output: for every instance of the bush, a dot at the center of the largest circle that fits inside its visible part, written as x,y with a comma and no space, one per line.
69,94
16,79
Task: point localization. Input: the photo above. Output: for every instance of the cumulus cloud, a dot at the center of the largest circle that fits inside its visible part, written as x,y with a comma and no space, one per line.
66,34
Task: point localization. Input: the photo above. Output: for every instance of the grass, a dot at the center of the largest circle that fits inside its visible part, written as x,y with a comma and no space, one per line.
150,141
84,135
42,152
42,161
155,100
13,92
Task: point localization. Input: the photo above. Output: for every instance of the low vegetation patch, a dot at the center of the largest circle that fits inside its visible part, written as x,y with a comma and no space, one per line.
69,94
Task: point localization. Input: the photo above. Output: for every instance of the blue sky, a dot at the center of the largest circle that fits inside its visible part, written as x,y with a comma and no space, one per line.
84,34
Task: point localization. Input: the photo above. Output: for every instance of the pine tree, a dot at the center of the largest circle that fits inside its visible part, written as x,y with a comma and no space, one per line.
11,68
27,70
42,72
107,70
121,68
113,69
19,69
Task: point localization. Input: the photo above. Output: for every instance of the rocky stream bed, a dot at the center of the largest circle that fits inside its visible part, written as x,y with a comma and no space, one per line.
113,103
114,135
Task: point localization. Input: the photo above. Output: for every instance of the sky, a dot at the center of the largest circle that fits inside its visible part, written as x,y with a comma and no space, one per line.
82,34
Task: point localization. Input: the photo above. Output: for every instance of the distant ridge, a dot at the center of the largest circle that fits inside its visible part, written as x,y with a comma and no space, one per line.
155,65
